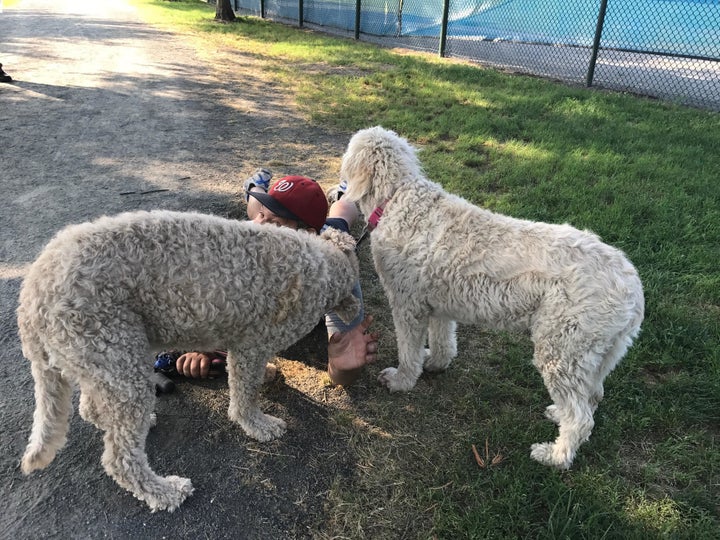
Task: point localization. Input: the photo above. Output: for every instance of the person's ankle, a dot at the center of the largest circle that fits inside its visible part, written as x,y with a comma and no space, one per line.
344,377
336,193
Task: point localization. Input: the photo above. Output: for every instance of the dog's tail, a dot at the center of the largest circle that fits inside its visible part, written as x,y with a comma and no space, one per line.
53,407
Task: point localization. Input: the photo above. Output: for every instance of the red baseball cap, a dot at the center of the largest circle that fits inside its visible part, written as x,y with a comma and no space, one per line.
298,198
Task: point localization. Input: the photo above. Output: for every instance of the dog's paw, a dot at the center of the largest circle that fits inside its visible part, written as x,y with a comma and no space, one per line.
393,380
36,457
263,427
549,454
386,376
432,364
175,490
551,413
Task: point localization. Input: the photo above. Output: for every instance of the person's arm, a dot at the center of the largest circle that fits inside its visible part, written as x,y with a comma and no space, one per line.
350,347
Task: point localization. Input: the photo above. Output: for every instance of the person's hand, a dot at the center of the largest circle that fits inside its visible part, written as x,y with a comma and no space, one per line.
349,351
195,365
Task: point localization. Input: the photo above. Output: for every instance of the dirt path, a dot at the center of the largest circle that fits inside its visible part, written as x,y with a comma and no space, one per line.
104,112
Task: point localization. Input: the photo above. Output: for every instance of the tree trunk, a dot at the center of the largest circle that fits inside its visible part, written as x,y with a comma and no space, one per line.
224,11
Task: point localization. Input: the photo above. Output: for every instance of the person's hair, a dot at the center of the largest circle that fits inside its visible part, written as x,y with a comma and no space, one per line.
304,226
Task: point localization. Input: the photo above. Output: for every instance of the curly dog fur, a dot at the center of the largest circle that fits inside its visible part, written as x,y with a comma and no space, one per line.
441,260
103,295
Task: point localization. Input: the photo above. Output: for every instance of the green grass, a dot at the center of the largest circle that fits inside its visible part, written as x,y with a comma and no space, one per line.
645,176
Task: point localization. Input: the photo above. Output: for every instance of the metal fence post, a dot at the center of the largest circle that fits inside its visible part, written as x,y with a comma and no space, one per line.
301,11
357,19
596,42
443,27
262,9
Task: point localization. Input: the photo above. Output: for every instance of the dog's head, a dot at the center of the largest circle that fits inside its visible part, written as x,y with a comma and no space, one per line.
377,161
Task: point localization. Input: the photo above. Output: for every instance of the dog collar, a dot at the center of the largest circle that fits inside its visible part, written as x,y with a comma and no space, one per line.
372,222
374,218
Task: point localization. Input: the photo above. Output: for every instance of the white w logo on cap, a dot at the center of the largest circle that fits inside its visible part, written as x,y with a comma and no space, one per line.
283,186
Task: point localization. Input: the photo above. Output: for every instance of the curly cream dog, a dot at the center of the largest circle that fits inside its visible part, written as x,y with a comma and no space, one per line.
102,295
440,260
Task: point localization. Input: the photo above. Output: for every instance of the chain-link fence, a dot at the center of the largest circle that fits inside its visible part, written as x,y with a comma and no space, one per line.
669,49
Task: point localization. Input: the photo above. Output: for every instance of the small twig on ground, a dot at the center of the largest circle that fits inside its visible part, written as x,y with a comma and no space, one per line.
486,462
480,461
143,192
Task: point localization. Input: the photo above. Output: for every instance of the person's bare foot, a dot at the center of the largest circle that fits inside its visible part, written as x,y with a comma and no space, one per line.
349,352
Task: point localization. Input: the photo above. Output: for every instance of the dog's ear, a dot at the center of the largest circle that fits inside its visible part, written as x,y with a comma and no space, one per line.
348,308
359,163
341,240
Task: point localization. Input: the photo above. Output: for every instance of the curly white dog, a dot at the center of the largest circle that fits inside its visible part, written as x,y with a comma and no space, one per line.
440,260
102,295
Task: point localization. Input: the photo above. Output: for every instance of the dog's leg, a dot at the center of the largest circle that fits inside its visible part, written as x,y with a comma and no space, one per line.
88,408
124,412
118,396
573,391
53,407
575,424
443,344
410,332
245,376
